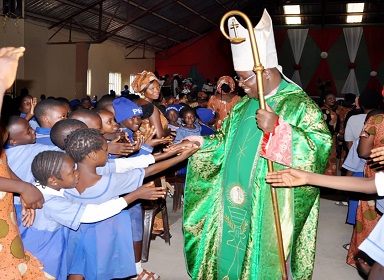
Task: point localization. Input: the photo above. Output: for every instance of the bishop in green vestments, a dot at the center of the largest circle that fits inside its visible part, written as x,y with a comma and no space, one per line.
228,217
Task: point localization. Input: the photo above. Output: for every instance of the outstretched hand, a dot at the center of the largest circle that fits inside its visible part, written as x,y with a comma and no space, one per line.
152,141
188,149
148,191
116,148
287,178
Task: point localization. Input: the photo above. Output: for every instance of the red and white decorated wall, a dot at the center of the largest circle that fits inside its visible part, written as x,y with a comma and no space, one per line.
351,59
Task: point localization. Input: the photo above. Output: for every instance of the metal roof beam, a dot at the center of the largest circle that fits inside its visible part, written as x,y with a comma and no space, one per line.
146,11
83,9
196,13
89,29
109,16
164,18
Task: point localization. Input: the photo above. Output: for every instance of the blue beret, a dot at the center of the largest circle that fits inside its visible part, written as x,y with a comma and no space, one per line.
74,102
205,115
125,109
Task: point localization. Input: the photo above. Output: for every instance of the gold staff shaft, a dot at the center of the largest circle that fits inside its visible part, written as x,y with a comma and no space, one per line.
258,69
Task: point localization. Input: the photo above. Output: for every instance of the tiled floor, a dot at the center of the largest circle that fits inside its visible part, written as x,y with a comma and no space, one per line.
168,261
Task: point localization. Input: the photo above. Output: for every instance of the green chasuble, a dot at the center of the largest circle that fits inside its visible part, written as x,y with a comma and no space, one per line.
228,225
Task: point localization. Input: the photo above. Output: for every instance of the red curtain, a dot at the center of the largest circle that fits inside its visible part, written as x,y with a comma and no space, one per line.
374,38
324,39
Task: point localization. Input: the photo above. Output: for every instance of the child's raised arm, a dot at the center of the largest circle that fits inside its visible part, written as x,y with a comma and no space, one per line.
293,177
71,214
161,166
147,191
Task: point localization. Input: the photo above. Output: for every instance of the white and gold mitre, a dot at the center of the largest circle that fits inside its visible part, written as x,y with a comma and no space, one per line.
242,52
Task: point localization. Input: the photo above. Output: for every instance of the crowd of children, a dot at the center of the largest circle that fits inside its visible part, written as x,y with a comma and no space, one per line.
89,167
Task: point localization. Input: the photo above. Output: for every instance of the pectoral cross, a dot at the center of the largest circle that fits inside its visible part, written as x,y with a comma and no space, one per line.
234,26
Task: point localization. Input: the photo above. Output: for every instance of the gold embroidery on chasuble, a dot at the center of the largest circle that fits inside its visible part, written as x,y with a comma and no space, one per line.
196,229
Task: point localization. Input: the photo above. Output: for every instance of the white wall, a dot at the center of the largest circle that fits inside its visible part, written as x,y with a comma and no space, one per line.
110,57
51,69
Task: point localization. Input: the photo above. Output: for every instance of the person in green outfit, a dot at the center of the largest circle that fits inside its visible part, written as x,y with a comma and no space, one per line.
228,222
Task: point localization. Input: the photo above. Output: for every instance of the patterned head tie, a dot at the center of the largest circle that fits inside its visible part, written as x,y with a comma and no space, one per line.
142,81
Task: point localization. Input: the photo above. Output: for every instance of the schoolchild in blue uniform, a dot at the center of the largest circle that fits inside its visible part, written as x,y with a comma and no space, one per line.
190,126
47,238
26,108
91,252
129,116
62,129
47,113
93,120
21,148
172,115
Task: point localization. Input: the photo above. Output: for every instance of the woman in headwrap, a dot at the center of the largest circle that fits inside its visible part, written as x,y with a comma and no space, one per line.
147,84
224,99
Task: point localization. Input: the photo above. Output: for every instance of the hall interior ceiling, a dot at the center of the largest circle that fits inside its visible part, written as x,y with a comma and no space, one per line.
161,24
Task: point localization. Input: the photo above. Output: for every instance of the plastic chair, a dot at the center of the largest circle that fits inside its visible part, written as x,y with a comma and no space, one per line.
150,210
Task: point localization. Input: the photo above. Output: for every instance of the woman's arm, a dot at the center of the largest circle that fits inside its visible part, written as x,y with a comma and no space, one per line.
155,121
365,146
29,194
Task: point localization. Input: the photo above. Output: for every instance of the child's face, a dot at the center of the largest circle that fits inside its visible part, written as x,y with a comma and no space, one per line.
172,116
189,118
20,133
69,174
57,113
26,103
108,122
132,123
86,104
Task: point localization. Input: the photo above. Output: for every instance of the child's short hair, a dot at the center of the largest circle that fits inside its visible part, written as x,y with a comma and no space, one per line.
47,164
81,142
44,106
83,113
104,102
24,97
186,109
12,120
61,130
100,110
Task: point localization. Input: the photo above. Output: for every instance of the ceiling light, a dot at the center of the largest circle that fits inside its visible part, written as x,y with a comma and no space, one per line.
292,9
354,19
292,20
355,7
